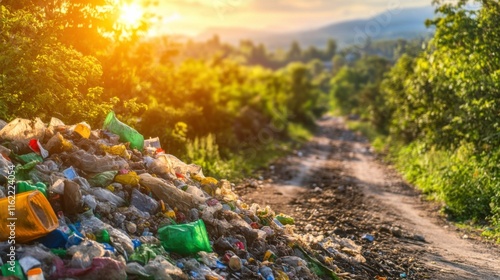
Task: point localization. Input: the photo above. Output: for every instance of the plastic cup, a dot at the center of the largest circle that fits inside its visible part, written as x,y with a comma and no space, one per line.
185,239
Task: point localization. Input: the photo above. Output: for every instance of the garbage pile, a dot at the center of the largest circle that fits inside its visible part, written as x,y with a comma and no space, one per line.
82,203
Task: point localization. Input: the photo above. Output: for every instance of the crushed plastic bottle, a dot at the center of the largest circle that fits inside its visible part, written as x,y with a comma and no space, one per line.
266,272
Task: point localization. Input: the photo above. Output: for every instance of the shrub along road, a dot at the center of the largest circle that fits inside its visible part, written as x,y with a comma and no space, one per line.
336,189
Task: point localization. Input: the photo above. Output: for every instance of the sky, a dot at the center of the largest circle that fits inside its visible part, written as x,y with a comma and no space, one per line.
191,17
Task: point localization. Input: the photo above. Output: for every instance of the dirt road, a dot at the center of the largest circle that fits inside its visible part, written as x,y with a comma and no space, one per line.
336,189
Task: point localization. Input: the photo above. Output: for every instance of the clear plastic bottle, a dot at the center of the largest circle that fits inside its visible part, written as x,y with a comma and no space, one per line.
267,273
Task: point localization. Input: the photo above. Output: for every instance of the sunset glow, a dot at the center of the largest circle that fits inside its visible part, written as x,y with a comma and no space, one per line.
131,14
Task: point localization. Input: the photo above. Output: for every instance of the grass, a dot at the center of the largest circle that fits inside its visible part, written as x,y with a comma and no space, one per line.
240,164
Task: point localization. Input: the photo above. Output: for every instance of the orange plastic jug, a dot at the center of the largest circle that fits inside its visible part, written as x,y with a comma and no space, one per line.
28,217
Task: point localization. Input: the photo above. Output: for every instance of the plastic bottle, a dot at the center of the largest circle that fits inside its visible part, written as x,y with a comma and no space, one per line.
126,133
267,273
23,186
103,236
35,274
35,217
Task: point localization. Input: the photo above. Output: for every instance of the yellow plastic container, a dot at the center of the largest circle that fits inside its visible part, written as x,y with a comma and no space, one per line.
29,217
83,129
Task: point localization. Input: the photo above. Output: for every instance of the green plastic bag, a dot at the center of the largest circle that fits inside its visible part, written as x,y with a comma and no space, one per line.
185,239
22,171
146,252
27,158
102,179
126,133
314,264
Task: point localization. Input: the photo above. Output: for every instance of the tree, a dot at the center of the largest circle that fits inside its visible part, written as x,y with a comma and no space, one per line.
295,52
40,73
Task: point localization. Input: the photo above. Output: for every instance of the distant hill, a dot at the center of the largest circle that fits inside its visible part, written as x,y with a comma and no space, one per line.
406,24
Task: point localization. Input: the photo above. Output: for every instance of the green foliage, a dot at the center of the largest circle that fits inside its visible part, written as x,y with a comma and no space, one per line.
299,133
355,90
438,107
214,109
39,73
204,151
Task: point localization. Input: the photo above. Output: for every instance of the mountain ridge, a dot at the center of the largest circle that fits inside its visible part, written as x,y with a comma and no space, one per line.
407,23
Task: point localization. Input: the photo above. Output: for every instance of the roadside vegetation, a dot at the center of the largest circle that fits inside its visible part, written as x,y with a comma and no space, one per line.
435,111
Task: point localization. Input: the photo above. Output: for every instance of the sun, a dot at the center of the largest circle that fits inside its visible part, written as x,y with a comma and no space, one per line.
131,14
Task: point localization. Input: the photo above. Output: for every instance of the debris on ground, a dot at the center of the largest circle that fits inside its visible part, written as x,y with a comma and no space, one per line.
106,204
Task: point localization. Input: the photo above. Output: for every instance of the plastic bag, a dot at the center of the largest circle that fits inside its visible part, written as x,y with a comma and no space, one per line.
105,268
131,178
144,202
5,165
146,252
185,239
2,124
83,254
102,179
117,150
119,240
29,158
72,198
58,144
162,269
106,195
23,129
91,163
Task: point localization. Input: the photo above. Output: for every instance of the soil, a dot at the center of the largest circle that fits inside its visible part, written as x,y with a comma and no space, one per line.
335,187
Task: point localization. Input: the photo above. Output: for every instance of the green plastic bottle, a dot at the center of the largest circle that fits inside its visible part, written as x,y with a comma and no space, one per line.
126,133
103,236
185,239
23,186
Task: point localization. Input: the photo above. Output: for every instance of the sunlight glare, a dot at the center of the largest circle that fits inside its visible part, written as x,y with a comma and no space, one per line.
130,14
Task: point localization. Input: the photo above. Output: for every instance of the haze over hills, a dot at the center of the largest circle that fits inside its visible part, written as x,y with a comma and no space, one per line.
392,24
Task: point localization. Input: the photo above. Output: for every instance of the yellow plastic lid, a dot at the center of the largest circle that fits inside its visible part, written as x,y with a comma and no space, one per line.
35,271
